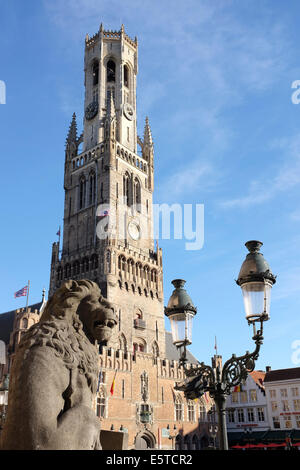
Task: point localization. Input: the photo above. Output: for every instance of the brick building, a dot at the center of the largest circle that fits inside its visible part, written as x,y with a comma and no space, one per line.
108,238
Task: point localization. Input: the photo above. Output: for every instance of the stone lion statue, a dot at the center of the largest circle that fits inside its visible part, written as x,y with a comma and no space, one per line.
54,374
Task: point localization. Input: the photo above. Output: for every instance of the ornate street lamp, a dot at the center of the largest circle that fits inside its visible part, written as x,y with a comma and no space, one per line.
181,311
256,280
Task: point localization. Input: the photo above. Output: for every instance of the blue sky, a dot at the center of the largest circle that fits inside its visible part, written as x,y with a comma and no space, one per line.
215,80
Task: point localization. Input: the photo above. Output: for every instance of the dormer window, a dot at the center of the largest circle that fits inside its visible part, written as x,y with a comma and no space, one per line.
111,71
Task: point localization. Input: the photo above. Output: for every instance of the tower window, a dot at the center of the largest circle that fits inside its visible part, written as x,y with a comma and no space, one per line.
111,71
137,195
95,73
82,192
126,76
92,188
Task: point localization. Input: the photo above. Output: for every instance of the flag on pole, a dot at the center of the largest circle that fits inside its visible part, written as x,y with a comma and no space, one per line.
22,292
58,233
216,345
112,388
238,388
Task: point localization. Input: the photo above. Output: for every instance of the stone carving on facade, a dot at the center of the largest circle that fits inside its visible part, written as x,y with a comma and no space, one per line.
54,375
144,387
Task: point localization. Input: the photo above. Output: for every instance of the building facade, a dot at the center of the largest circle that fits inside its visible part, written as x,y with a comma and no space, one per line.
247,405
283,398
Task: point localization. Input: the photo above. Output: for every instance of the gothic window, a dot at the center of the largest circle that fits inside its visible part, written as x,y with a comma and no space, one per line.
82,192
95,73
92,188
122,343
126,189
94,262
111,71
155,350
191,411
67,270
59,274
24,323
126,76
101,405
122,263
137,195
178,409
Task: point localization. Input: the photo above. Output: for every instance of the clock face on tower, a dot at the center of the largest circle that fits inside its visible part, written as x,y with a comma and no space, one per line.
134,230
91,110
128,111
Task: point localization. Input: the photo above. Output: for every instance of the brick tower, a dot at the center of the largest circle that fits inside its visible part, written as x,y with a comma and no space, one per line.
108,226
107,238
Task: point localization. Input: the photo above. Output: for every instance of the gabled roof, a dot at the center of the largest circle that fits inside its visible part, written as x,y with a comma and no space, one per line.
258,376
282,374
172,353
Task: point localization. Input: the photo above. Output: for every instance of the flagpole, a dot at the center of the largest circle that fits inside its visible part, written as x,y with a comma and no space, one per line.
27,295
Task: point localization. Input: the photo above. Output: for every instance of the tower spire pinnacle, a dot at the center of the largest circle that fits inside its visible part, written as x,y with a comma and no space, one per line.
147,134
72,134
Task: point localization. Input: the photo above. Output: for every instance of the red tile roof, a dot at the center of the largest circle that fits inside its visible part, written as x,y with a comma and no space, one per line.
258,376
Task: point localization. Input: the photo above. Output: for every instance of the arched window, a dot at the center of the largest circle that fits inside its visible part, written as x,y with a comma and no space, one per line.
101,405
82,192
126,76
94,262
191,411
137,195
126,189
95,73
59,274
178,409
111,71
92,188
24,323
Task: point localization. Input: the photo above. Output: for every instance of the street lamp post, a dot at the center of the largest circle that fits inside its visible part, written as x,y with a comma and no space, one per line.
172,436
256,280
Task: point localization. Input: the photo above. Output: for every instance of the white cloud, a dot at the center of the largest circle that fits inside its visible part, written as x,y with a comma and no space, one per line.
286,177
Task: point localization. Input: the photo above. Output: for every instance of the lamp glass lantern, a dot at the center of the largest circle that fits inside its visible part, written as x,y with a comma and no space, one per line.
256,281
180,311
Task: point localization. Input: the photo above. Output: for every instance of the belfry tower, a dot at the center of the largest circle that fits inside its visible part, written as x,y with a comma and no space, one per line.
108,182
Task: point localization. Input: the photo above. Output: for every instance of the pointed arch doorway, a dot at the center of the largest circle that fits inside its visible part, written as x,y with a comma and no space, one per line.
145,440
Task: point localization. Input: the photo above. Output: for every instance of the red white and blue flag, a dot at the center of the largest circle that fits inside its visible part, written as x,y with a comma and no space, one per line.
21,292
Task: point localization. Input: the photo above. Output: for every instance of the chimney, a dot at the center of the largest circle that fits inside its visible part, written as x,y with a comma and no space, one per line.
268,368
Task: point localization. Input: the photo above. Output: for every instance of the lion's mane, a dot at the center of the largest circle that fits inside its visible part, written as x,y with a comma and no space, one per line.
60,328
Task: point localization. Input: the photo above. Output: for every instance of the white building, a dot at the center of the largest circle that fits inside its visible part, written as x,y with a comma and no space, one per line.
282,389
247,405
